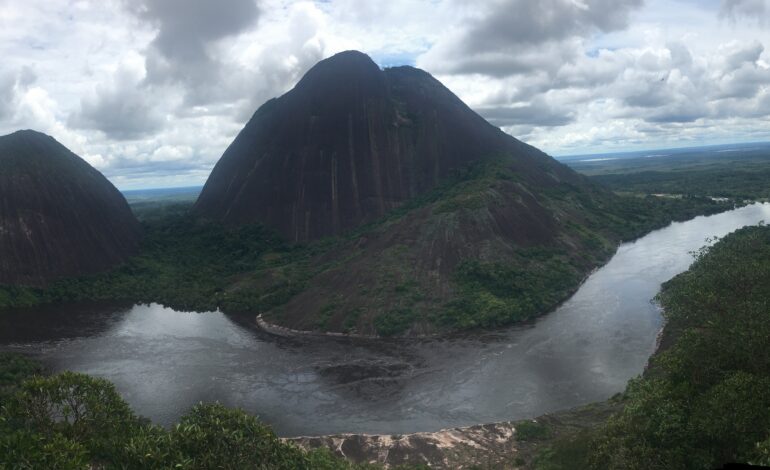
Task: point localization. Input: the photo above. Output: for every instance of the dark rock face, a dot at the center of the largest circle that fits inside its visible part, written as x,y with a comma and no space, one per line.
351,142
59,217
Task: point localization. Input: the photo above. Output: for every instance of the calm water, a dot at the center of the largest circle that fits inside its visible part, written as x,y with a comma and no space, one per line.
164,361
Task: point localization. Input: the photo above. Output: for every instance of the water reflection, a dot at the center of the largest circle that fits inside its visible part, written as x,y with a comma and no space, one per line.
164,361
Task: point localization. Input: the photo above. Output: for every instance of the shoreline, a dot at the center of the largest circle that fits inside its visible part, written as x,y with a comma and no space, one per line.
493,443
286,332
504,444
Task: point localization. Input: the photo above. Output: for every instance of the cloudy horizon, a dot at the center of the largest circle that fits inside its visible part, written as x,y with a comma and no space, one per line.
151,92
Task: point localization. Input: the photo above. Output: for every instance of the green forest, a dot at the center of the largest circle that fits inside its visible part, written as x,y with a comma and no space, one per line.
697,173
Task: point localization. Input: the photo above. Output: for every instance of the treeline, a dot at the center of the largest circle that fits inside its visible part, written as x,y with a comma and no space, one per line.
631,216
741,183
705,400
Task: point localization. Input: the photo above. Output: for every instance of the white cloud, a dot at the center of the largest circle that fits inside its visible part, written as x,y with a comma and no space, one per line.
152,92
122,108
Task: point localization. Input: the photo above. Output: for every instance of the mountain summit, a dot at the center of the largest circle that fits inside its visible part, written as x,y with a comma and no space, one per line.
59,217
350,143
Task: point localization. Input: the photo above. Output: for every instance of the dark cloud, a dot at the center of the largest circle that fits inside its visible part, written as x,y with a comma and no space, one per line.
740,54
122,110
181,51
518,36
118,116
536,114
750,10
499,64
518,22
744,82
679,114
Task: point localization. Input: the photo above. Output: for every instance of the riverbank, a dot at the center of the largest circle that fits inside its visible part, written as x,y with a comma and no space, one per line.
503,445
724,391
278,330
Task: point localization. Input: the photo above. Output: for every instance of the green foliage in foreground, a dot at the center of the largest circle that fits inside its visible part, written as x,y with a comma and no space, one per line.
15,368
73,421
706,399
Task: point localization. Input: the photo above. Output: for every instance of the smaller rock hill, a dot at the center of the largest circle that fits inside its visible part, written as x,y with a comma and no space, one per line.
59,217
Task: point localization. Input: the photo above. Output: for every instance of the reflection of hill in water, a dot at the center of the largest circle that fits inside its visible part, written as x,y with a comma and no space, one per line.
57,322
368,378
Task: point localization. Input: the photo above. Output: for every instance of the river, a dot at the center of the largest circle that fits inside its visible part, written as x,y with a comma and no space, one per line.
163,361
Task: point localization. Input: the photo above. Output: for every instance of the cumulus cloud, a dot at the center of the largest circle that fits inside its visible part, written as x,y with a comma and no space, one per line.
558,79
152,91
121,109
518,36
188,31
12,85
516,22
268,70
536,113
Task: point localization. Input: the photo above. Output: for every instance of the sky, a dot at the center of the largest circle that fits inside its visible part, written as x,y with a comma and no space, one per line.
151,92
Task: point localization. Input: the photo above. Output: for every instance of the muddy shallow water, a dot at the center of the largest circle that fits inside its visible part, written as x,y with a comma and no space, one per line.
163,361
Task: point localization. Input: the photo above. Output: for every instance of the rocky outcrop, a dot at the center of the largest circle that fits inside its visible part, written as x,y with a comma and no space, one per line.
463,447
503,445
59,217
350,143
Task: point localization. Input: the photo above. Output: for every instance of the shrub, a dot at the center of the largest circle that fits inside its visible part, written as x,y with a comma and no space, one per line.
76,406
214,436
531,431
22,449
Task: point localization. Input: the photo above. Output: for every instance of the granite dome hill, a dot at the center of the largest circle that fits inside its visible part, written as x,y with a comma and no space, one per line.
350,143
436,220
59,217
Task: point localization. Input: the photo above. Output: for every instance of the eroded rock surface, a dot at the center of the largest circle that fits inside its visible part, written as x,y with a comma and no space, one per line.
457,448
350,143
59,217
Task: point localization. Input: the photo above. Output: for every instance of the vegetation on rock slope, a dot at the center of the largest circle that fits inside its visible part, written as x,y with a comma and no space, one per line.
444,261
705,401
